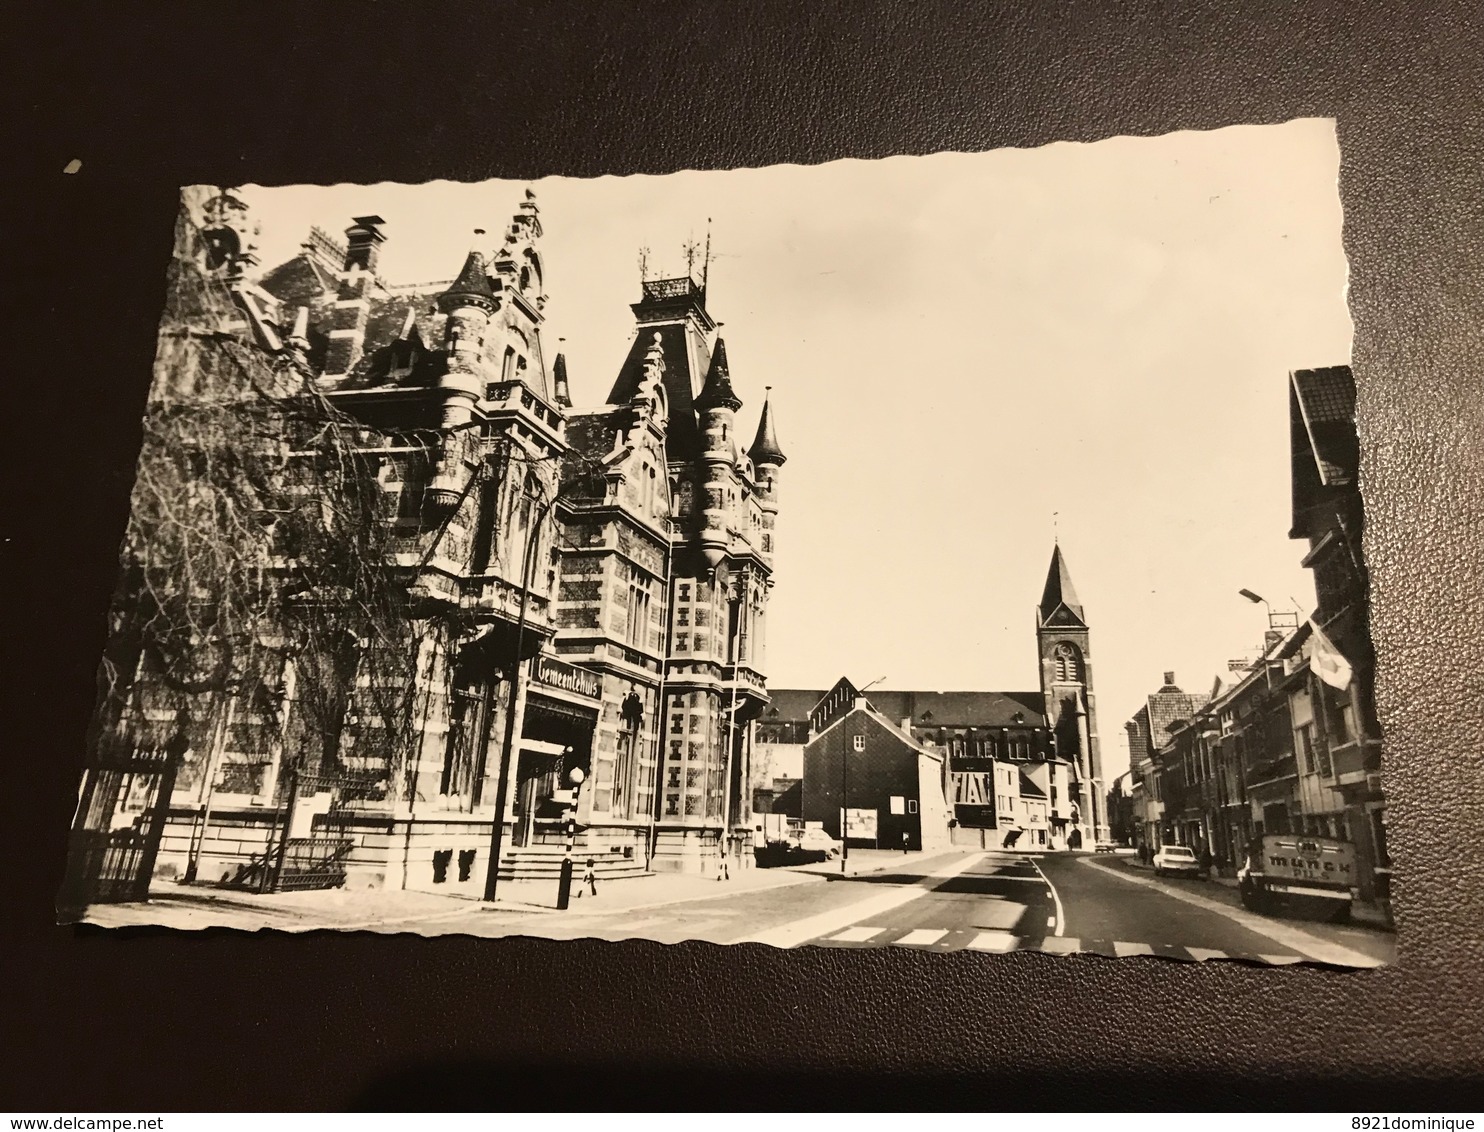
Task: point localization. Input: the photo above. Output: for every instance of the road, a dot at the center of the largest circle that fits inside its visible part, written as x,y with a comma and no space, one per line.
995,901
990,902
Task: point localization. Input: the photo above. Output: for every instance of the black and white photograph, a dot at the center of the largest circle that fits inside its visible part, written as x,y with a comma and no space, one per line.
958,552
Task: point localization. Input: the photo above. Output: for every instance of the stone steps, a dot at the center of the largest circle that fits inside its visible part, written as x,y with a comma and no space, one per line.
543,862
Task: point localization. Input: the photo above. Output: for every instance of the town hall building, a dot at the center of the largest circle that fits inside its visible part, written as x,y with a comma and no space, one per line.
588,584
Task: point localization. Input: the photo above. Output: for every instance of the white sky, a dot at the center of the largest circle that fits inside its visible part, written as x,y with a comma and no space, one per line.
960,346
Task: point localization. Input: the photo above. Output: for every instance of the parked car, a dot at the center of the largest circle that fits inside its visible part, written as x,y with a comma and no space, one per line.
1177,860
1105,845
818,840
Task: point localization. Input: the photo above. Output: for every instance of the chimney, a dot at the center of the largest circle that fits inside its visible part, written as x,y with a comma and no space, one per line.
1169,677
363,240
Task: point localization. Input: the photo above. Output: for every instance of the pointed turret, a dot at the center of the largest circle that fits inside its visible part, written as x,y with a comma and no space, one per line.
471,288
765,448
559,379
1059,592
767,459
717,392
469,304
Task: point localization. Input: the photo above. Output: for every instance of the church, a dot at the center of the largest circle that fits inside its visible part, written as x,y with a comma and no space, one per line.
1019,770
582,591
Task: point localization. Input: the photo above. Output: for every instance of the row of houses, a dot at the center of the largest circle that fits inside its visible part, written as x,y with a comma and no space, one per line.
1288,743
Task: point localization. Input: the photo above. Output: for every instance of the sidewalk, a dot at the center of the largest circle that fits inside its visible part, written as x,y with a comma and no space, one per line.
655,890
1364,912
193,907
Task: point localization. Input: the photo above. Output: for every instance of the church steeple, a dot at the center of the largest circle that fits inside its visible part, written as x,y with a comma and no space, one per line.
1059,599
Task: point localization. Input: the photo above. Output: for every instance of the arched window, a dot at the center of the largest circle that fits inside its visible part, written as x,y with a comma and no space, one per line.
1068,663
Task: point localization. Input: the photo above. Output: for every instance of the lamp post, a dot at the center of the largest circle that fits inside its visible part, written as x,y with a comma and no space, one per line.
845,777
564,886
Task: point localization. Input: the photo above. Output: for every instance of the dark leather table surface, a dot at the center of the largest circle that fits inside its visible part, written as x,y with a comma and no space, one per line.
160,95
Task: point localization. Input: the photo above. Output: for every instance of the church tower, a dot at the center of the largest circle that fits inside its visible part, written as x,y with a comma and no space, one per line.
1064,641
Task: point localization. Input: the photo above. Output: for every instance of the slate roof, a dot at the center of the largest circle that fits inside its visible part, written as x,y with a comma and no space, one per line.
718,392
949,709
765,448
1325,399
1059,593
1028,787
684,439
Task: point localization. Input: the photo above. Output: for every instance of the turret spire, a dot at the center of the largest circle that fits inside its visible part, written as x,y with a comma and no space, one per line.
765,448
559,380
472,285
717,392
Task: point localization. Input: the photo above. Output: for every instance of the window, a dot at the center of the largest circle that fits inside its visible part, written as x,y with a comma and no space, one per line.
911,805
672,805
858,742
623,771
1304,741
1067,663
636,630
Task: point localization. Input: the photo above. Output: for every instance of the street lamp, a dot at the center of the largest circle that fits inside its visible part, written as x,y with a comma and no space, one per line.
845,777
564,886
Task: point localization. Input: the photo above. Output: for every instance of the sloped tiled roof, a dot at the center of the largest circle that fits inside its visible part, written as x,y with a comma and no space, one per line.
1167,707
1326,404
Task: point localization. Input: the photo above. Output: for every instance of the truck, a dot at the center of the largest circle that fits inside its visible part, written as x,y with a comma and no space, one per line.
1298,875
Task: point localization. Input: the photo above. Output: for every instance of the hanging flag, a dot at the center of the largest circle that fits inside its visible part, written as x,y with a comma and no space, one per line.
1326,661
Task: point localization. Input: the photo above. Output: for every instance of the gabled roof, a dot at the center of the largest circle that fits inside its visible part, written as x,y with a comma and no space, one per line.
868,711
1059,602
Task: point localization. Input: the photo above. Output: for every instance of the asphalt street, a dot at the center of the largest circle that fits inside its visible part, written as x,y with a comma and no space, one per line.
994,901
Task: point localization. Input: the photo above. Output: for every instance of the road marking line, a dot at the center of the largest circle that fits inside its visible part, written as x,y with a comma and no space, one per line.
1308,945
826,923
1201,954
1122,949
1000,942
921,937
856,935
1061,945
1060,922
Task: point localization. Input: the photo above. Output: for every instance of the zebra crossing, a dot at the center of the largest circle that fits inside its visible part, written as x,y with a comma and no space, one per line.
1002,942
